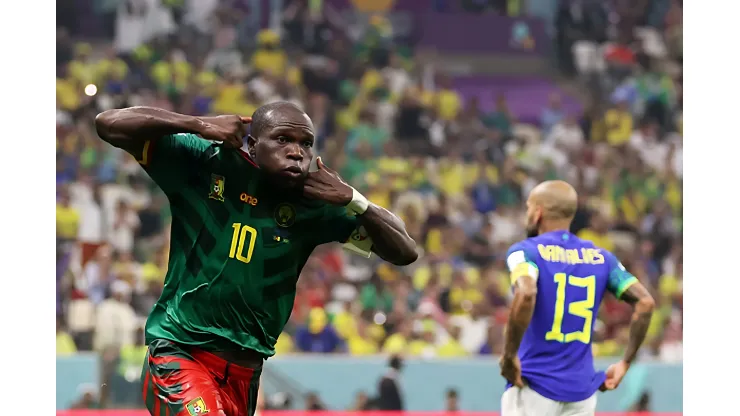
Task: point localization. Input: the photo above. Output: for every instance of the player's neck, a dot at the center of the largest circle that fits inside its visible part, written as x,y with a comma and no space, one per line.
550,226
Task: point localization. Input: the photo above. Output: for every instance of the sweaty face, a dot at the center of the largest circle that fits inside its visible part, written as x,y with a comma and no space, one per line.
285,149
534,215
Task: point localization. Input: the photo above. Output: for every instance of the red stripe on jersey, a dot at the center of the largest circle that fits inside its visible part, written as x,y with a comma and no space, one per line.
246,156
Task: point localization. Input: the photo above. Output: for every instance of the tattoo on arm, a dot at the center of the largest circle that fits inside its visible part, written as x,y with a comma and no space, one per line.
639,297
522,308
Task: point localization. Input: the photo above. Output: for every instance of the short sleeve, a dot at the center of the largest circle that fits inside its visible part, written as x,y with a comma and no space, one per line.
338,225
521,263
619,278
169,157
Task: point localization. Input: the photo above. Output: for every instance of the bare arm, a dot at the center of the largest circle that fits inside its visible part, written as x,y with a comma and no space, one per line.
391,242
522,308
132,126
641,300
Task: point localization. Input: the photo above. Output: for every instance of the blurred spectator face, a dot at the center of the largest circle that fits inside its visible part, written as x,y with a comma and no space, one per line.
316,320
428,336
570,121
405,329
599,223
646,248
455,332
555,101
501,103
444,82
64,197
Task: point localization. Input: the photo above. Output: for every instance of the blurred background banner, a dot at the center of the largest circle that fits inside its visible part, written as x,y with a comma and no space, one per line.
423,382
462,33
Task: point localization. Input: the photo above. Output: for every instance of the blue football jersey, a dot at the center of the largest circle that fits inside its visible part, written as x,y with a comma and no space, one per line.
572,277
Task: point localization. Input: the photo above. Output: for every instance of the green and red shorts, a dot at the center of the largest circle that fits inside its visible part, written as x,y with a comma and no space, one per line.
186,381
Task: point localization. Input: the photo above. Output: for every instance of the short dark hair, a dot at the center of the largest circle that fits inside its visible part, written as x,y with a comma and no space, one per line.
261,119
452,393
395,362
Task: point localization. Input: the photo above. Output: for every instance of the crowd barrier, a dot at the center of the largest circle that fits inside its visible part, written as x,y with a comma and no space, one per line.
337,379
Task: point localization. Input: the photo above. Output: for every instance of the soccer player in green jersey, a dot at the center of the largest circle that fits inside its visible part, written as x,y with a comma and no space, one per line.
244,221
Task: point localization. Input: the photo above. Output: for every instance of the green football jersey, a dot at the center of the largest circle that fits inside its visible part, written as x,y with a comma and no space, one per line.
238,246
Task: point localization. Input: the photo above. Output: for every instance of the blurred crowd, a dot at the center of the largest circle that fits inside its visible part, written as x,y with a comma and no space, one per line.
398,131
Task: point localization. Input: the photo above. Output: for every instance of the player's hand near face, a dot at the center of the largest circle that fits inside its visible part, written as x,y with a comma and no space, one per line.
614,375
511,369
230,129
326,185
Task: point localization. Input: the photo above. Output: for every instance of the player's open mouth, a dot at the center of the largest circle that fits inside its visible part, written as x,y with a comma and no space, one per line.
293,171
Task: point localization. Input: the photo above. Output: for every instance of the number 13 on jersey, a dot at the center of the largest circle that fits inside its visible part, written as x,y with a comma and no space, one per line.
582,309
239,239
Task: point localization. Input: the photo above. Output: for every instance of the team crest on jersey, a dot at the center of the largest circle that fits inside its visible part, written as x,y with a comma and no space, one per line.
197,407
285,215
217,187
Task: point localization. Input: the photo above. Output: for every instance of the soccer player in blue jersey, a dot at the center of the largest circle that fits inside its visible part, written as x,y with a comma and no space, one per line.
559,281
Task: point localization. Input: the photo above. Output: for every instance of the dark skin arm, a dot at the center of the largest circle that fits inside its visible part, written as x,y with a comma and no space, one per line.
391,242
642,302
130,127
522,308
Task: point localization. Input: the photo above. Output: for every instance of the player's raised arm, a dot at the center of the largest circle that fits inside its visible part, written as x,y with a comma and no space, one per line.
129,128
385,231
626,287
524,274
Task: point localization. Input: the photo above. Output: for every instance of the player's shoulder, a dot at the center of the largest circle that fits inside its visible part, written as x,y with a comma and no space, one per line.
527,245
520,252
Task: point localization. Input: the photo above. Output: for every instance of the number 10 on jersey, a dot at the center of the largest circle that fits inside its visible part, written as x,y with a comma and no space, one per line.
239,239
582,309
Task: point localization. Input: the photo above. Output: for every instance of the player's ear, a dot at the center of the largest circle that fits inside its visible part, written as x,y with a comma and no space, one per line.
251,142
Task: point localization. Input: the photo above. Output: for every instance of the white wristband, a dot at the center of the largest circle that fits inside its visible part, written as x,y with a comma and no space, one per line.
359,203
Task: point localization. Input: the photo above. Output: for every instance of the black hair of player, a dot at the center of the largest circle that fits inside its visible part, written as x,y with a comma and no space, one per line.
262,118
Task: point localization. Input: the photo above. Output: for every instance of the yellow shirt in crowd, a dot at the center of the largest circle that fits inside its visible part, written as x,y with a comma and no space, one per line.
345,324
68,220
177,73
449,104
358,345
284,344
459,295
395,344
65,344
451,348
599,240
417,347
68,94
273,61
619,127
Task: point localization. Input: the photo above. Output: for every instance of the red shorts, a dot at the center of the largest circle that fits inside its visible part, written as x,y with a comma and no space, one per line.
190,382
